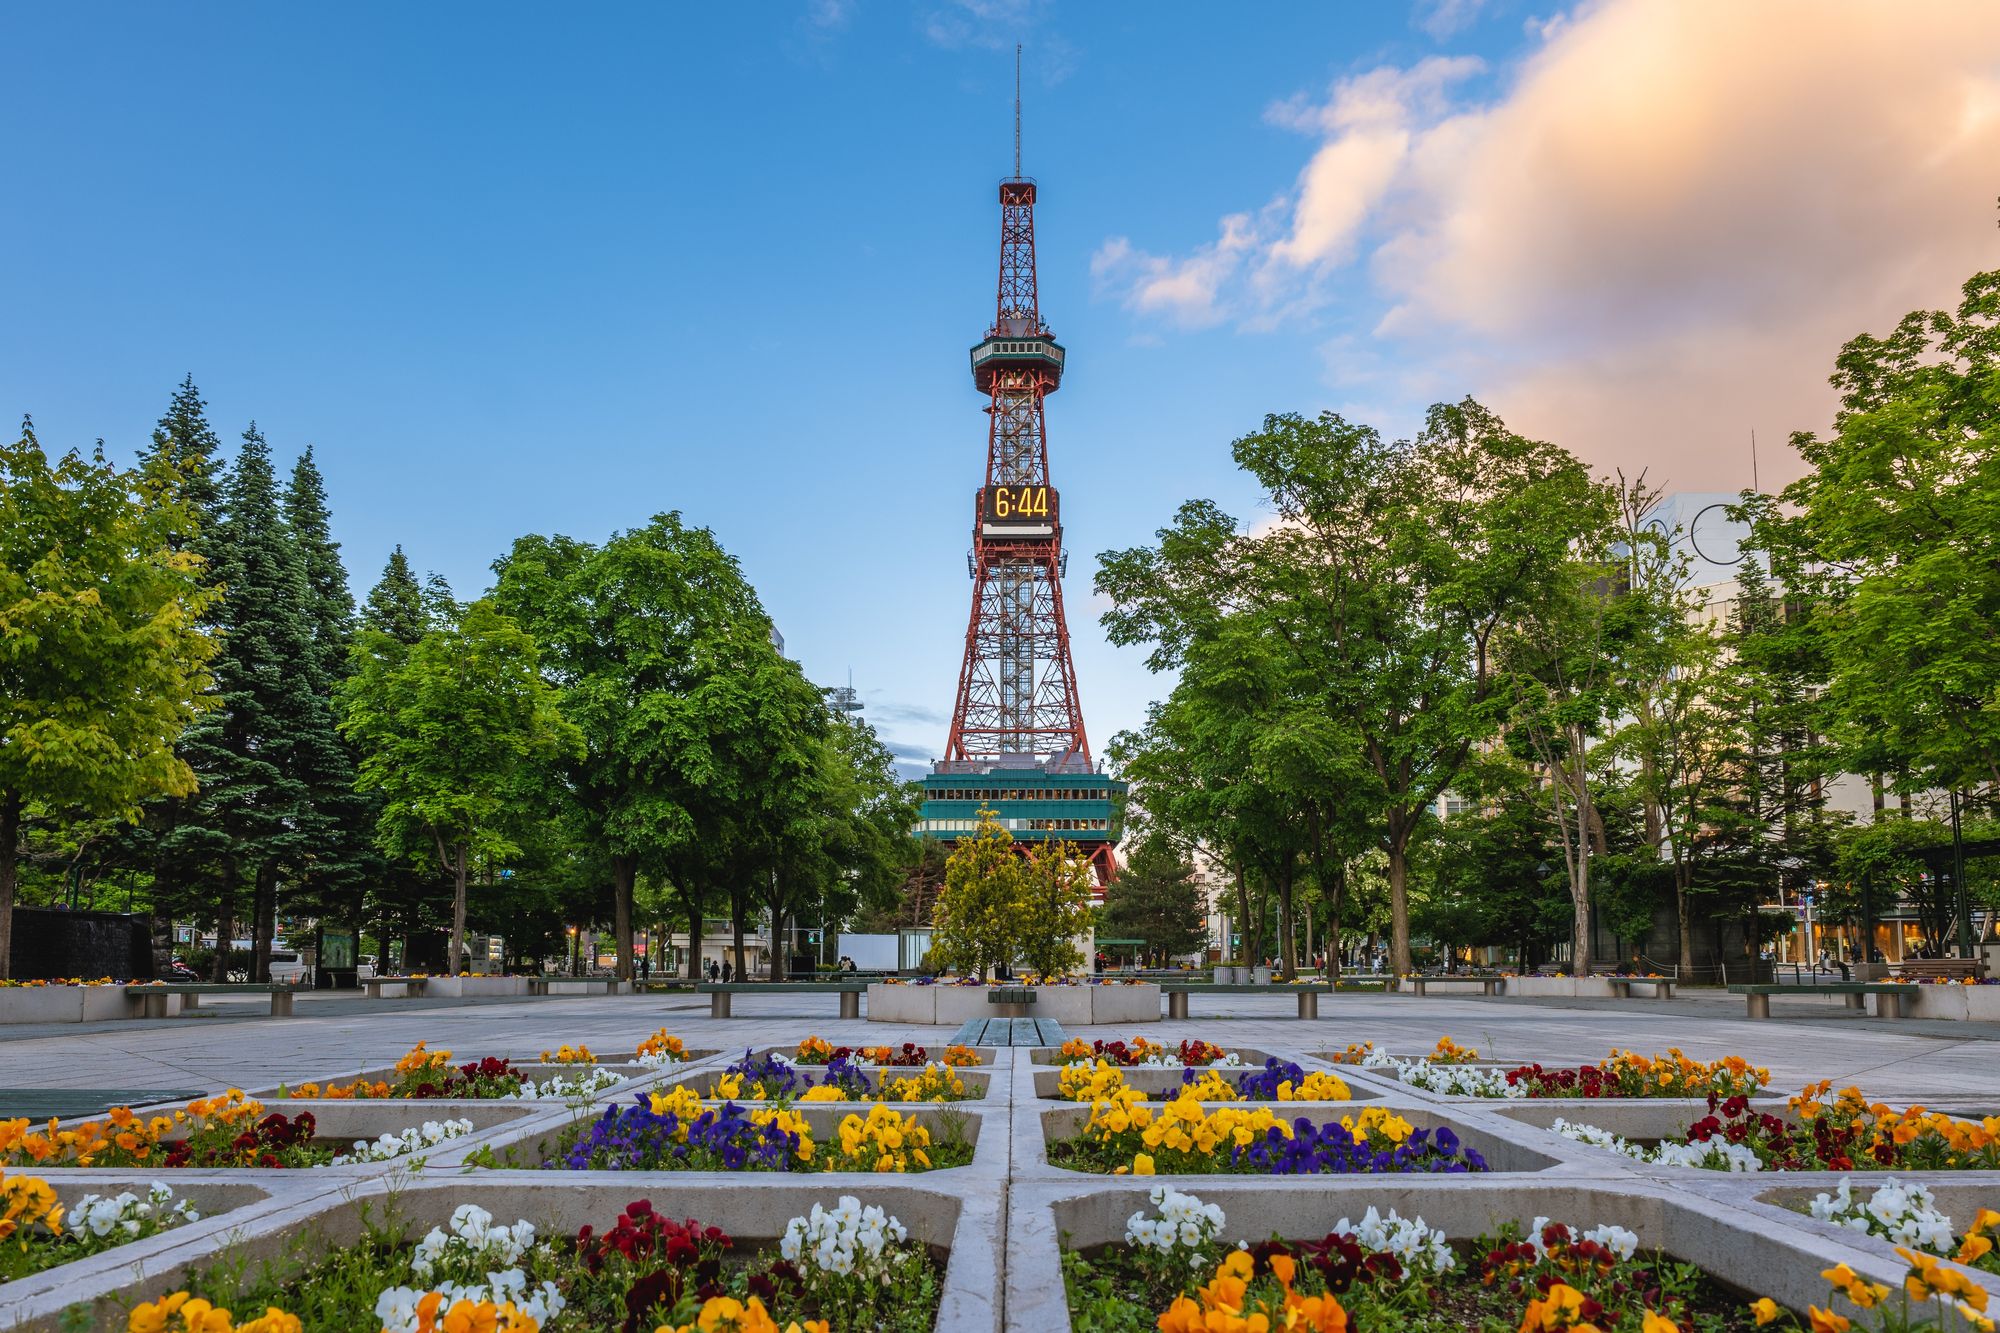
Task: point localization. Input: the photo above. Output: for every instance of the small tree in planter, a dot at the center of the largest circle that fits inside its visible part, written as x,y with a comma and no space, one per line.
977,918
1054,909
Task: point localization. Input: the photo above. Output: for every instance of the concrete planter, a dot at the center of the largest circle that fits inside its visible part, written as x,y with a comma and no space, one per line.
1074,1006
1727,1242
300,1224
1163,1084
71,1004
635,1076
1251,1057
453,988
1503,1153
1565,988
1980,1004
214,1199
978,1083
934,1049
539,1139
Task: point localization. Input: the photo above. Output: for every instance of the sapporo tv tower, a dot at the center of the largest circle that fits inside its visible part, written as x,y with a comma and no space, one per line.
1017,743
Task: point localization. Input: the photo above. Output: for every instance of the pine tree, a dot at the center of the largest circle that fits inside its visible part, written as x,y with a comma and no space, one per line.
254,811
396,604
336,869
184,447
330,606
184,464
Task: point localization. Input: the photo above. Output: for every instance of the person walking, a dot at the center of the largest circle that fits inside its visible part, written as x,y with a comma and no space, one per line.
725,971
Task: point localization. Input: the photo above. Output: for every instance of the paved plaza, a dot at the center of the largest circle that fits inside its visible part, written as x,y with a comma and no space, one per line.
233,1043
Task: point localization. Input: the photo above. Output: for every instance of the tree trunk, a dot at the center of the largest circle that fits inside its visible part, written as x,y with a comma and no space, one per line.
1333,887
1288,960
225,922
263,920
1683,874
781,940
1242,915
458,877
694,941
624,869
736,932
1399,894
10,837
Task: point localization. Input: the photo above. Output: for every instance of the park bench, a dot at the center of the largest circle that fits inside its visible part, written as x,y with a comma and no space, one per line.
1488,983
1008,1032
1177,993
1940,969
1889,995
1663,987
412,987
1010,995
154,998
719,993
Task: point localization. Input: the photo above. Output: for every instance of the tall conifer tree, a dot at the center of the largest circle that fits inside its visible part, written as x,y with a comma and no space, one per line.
253,816
336,869
396,603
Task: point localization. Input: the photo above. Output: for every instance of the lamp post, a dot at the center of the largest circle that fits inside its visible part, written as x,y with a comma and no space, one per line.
574,969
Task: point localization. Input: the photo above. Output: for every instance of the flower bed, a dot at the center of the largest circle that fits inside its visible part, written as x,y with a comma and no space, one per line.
234,1131
851,1266
568,1074
675,1130
1124,1135
37,1232
1143,1054
1847,1133
333,1251
817,1050
1094,1260
1620,1075
1278,1081
1175,1273
228,1130
770,1078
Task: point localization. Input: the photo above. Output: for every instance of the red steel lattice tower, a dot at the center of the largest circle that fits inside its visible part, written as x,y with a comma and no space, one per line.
1017,705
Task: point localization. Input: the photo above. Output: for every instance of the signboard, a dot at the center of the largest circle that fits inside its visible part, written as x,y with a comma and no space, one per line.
1018,511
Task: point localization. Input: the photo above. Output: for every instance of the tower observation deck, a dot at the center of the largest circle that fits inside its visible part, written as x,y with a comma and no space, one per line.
1017,743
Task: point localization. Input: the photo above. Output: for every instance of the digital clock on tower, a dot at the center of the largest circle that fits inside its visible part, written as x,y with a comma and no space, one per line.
1030,509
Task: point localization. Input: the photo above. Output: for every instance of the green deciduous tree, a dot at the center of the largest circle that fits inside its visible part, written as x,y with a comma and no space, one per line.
1386,576
652,639
445,728
1891,535
1157,898
1054,910
977,916
102,655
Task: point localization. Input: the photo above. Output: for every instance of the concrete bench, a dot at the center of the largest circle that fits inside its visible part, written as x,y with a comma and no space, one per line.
153,999
1008,1032
1890,996
719,993
1663,987
1488,985
1177,993
412,987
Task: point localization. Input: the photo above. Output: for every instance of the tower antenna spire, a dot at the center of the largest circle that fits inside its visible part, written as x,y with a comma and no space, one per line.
1017,111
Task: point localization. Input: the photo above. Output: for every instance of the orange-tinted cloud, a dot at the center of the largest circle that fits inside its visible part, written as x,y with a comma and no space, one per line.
1655,238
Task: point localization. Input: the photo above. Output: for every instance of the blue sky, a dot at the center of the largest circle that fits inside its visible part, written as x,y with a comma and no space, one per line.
516,268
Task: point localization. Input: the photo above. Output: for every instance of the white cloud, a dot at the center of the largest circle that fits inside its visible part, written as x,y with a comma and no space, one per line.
1444,18
1654,236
